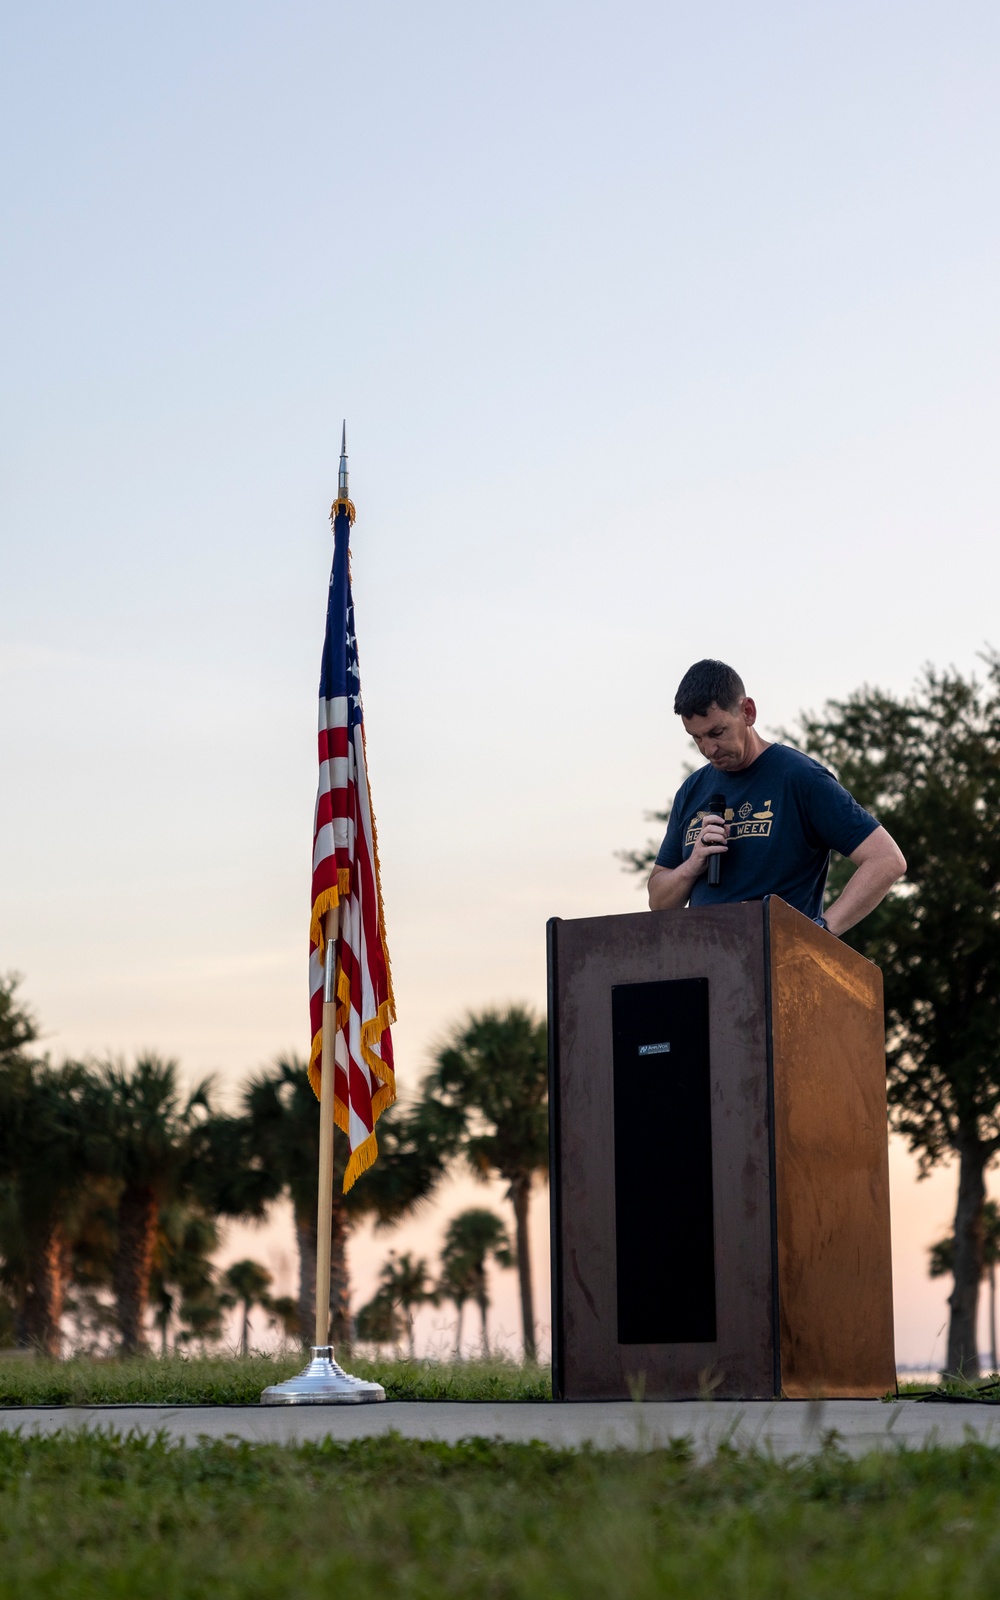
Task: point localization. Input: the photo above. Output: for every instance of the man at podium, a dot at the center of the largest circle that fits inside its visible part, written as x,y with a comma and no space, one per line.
767,813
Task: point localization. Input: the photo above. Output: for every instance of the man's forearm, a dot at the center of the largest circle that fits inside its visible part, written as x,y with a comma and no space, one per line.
670,887
866,889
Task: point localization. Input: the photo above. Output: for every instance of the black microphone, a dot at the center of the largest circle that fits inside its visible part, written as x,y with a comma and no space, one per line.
717,805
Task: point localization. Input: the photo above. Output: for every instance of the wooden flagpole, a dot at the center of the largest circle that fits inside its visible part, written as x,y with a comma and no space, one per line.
324,1211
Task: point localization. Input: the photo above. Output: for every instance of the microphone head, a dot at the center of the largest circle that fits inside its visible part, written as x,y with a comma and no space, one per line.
717,804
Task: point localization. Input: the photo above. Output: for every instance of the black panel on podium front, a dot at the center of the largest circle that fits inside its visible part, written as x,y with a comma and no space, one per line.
663,1163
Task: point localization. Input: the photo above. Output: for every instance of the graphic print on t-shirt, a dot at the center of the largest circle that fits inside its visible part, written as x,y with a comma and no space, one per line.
784,797
751,824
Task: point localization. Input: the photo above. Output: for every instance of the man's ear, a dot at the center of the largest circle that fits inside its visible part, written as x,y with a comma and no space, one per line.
749,710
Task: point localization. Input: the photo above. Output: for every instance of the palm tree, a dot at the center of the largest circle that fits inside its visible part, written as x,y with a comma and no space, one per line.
35,1142
280,1153
404,1282
92,1231
283,1313
457,1284
492,1071
147,1128
201,1319
45,1153
991,1259
182,1268
248,1282
281,1122
942,1256
378,1322
469,1240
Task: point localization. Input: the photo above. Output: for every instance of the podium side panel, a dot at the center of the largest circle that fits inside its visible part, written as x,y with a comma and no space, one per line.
831,1164
588,958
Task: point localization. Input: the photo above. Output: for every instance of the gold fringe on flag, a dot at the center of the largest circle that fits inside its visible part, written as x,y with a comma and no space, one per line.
325,902
372,1030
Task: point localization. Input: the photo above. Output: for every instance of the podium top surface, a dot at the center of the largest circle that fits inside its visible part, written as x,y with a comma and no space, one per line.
749,918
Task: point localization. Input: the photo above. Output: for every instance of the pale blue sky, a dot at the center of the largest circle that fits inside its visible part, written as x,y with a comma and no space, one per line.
661,331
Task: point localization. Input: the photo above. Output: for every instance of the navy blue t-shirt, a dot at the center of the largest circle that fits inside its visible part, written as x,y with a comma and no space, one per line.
785,814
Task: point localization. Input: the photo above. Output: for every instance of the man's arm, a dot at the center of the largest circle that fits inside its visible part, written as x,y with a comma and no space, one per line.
670,887
880,863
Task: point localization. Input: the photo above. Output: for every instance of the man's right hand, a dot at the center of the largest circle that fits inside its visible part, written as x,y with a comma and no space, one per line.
670,887
711,841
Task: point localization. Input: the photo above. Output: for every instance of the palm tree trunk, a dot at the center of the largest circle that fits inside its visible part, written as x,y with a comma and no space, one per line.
520,1195
993,1318
165,1310
138,1213
483,1307
340,1283
460,1308
43,1297
305,1238
245,1334
409,1333
963,1343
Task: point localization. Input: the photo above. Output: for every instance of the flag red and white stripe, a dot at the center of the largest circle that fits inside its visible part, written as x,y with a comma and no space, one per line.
346,874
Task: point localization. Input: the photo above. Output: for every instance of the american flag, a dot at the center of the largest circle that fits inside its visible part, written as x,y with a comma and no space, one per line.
346,873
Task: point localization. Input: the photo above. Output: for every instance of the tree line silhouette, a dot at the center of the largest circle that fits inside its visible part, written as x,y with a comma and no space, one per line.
115,1181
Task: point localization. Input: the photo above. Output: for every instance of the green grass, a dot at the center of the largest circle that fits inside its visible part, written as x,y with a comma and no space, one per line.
219,1380
100,1516
984,1391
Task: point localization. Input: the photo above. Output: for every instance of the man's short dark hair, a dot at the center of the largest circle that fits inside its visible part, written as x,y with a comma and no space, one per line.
706,684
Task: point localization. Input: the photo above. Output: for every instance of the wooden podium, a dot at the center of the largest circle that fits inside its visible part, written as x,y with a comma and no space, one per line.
719,1158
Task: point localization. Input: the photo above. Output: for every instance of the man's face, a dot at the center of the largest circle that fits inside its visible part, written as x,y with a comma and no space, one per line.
724,737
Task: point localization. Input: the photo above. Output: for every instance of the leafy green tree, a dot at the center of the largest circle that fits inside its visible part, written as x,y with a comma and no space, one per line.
18,1027
147,1127
942,1263
928,766
492,1072
470,1239
405,1282
248,1283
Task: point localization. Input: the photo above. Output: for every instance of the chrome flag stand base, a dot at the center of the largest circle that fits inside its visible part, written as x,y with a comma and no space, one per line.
322,1383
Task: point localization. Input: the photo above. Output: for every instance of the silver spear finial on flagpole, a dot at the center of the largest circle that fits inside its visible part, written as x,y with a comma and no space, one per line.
342,481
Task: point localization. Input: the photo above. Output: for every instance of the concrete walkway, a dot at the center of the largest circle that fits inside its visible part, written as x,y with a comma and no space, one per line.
784,1428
